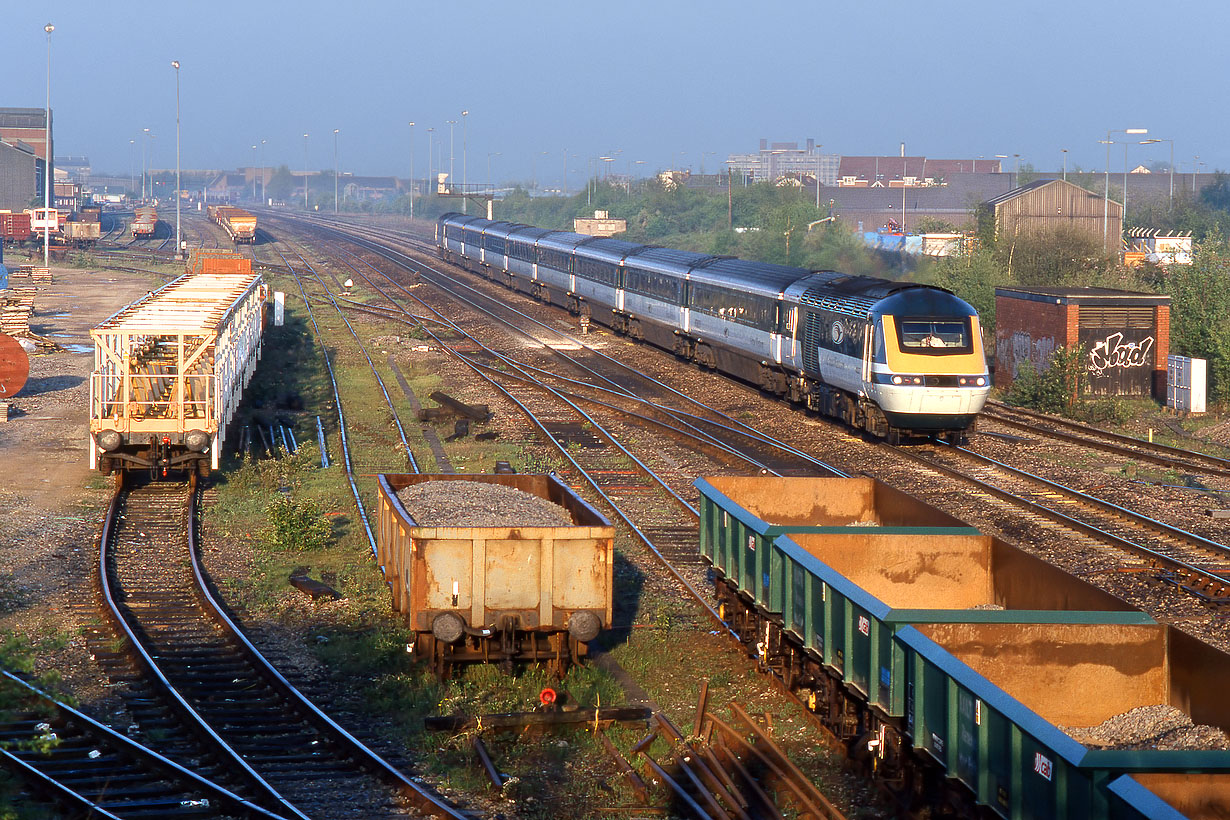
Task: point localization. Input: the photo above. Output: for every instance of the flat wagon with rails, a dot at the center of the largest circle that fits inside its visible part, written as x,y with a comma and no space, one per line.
506,593
144,223
170,369
240,225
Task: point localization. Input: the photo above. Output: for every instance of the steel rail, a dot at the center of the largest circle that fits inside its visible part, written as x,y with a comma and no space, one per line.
1083,527
414,467
187,713
407,261
143,754
422,799
341,417
1153,452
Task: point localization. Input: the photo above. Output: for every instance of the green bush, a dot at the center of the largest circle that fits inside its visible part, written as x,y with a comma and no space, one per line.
296,525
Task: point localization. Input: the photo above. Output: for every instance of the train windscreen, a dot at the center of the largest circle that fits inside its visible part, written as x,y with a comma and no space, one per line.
922,335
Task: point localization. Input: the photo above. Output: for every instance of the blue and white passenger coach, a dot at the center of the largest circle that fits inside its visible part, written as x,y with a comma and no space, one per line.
891,358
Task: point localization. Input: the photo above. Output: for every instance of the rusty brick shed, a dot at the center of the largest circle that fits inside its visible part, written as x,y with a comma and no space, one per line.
1125,336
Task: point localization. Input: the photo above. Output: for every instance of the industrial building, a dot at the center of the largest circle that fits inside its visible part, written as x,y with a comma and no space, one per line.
1046,204
17,175
31,127
1124,336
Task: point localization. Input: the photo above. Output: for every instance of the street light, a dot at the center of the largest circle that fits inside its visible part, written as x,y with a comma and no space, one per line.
305,176
1195,167
335,172
464,202
1154,141
132,161
261,160
1106,186
490,181
143,144
47,156
412,170
1065,163
818,147
254,160
451,153
431,178
178,253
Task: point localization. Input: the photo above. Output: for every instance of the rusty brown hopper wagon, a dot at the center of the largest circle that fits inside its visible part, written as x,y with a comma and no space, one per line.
503,593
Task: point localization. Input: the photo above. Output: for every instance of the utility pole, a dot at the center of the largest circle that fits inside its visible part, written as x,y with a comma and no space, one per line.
412,170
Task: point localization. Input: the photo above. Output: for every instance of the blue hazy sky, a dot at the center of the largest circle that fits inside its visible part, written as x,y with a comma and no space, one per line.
648,80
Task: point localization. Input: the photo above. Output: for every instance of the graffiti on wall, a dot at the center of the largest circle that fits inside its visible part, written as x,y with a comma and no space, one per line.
1112,352
1025,348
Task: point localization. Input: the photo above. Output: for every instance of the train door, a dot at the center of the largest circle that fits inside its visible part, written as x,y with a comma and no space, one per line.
775,338
620,280
869,332
685,317
534,261
792,327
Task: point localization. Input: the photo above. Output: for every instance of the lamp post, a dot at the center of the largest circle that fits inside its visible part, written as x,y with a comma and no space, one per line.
47,156
490,181
262,165
451,153
178,252
431,177
254,173
412,169
335,171
464,202
305,175
818,147
143,143
1106,185
1153,142
564,184
132,162
1065,163
1195,166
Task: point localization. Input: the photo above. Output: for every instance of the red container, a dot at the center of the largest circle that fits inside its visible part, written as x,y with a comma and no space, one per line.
15,227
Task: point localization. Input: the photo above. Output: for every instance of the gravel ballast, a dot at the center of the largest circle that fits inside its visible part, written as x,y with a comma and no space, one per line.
478,504
1150,727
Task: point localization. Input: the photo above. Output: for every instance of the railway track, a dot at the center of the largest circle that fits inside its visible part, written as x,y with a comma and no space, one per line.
192,680
1034,424
65,756
1194,564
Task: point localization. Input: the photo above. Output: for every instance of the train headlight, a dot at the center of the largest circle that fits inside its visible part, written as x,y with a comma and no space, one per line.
896,380
197,440
108,440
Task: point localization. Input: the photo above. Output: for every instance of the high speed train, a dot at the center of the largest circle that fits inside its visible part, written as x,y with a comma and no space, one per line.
893,358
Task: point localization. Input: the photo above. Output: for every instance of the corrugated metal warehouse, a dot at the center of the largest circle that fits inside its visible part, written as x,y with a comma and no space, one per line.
1046,204
17,176
1125,336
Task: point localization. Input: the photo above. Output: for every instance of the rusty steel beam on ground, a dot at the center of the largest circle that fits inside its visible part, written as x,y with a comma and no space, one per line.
519,720
477,412
634,780
484,757
766,802
779,765
697,769
674,786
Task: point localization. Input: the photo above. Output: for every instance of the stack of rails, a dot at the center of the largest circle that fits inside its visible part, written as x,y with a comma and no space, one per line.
144,222
170,369
952,661
239,225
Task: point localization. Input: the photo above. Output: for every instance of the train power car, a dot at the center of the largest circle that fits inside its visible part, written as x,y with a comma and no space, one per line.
891,358
508,593
240,225
144,222
170,368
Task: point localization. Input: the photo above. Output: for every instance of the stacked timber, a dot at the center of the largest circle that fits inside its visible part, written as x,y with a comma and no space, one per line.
16,307
31,273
